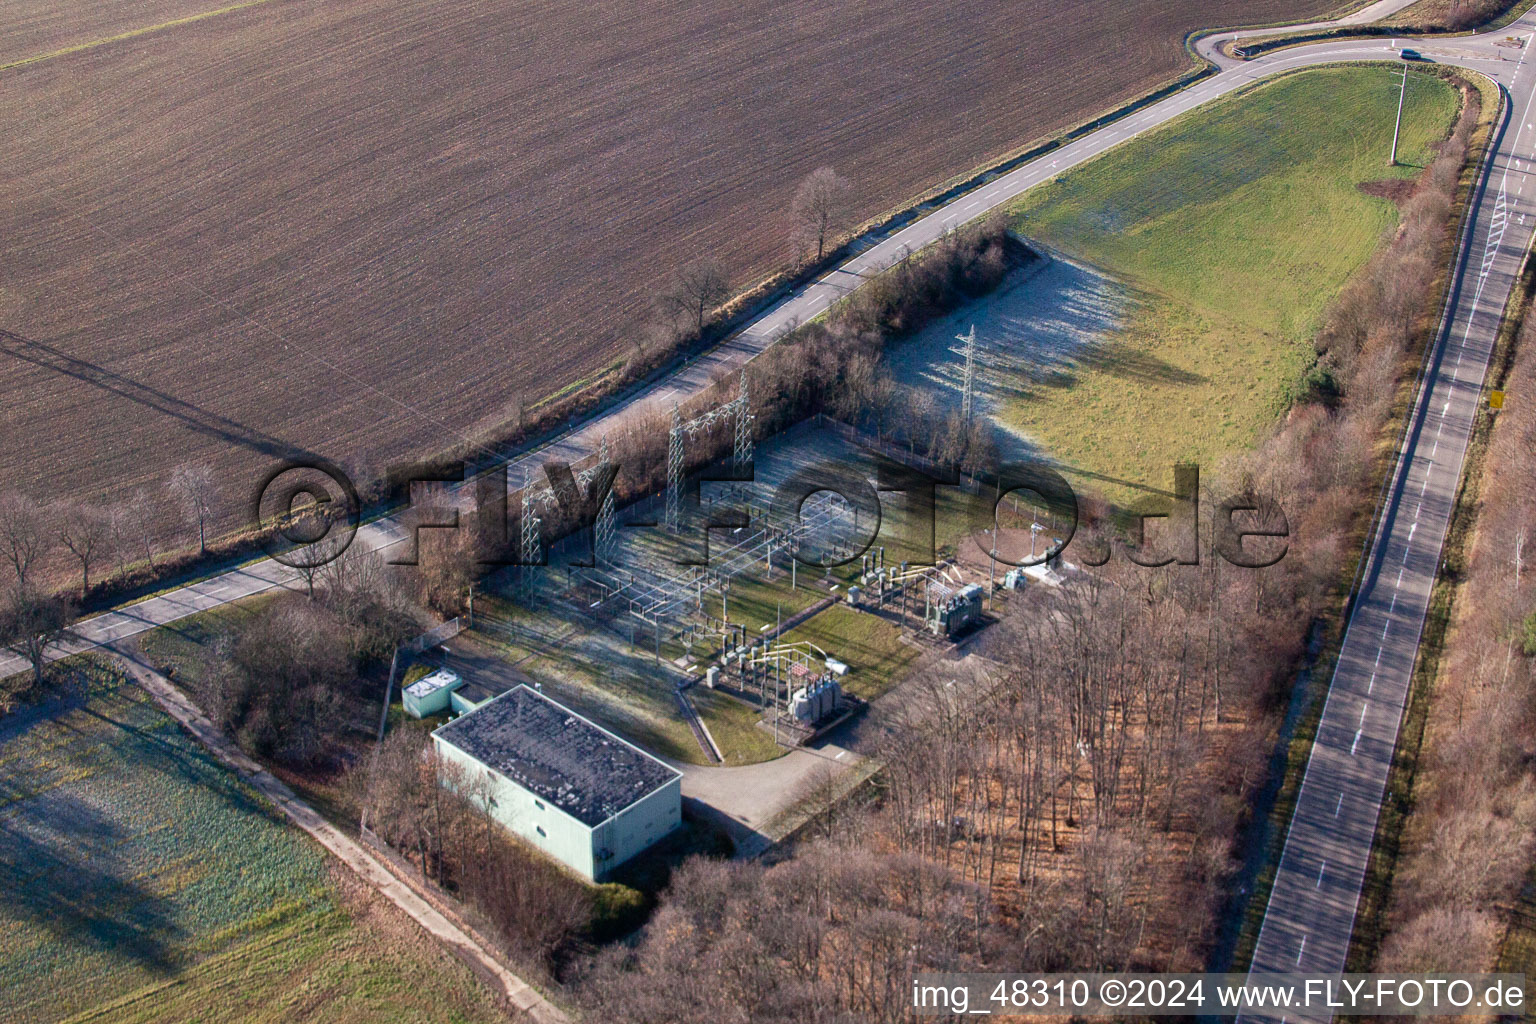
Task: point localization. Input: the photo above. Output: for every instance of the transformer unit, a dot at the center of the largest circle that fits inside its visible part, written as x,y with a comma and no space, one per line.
957,612
817,702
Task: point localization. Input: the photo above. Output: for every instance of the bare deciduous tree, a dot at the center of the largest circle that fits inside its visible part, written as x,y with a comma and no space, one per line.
85,531
130,525
820,209
23,536
31,623
313,562
696,289
195,485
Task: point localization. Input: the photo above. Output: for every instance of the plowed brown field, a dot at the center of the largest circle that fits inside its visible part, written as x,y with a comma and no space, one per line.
31,28
359,227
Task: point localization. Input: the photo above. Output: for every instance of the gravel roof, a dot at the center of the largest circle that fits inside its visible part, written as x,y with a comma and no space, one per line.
557,755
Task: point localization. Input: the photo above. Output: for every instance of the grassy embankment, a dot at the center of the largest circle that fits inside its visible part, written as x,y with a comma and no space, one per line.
1235,225
144,882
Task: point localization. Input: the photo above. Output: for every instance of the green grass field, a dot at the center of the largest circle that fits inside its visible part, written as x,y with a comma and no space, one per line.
134,861
322,966
1235,225
869,645
189,643
734,728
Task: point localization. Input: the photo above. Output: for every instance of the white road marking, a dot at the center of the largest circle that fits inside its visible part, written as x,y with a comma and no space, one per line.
1299,950
1320,869
1338,806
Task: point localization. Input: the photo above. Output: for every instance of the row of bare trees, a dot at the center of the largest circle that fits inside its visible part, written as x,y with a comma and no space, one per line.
834,367
1056,768
819,213
832,935
290,680
35,615
33,620
94,536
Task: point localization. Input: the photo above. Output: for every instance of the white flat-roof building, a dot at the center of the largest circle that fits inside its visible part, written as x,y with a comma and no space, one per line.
563,783
431,693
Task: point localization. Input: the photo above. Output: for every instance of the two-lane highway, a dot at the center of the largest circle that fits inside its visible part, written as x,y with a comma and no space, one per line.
1312,907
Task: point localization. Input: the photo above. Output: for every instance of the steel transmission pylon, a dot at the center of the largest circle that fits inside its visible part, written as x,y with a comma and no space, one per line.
604,538
530,544
743,448
674,470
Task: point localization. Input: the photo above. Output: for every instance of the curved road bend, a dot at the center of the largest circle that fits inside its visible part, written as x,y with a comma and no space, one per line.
1312,906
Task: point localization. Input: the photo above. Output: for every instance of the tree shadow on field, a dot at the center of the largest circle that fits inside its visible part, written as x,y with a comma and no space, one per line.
212,424
1038,333
158,745
64,873
1113,356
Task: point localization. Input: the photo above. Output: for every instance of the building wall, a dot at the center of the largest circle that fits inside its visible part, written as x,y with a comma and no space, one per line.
431,704
639,825
545,826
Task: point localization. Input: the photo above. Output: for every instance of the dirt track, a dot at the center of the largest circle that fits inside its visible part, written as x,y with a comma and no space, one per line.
360,228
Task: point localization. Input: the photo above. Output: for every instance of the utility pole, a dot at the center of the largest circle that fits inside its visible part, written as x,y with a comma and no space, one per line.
992,571
1396,128
968,387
